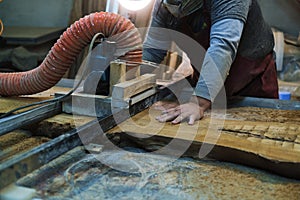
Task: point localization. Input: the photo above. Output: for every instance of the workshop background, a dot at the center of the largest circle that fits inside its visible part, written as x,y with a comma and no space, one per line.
25,43
32,27
42,157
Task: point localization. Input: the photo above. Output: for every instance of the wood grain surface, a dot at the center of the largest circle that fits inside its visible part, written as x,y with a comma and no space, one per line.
271,134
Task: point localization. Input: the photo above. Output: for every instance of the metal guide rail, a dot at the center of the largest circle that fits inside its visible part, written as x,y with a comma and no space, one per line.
13,122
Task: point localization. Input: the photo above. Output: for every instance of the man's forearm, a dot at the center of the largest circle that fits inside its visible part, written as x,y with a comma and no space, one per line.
225,37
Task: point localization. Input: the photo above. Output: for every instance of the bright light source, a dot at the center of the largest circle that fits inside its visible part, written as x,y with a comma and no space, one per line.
134,5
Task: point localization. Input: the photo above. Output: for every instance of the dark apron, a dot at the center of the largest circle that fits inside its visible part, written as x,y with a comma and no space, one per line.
254,78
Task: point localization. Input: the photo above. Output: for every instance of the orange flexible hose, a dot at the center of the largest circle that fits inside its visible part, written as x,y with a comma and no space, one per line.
67,47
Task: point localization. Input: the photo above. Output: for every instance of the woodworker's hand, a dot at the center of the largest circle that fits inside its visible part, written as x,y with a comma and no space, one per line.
192,111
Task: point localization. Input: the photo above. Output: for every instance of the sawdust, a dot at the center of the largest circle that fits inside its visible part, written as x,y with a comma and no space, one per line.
263,115
58,125
29,143
50,129
12,138
17,142
9,103
181,179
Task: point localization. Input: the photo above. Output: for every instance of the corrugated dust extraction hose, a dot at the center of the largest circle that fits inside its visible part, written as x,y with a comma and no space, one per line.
67,48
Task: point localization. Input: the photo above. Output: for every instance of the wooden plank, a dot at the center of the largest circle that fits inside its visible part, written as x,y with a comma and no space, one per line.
173,61
275,136
117,104
81,104
132,87
117,74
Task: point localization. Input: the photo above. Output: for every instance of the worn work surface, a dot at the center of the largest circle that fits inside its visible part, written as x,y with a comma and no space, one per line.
135,174
9,103
273,135
22,140
18,141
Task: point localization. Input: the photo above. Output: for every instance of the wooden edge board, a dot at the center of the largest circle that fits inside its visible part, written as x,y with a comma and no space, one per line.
132,87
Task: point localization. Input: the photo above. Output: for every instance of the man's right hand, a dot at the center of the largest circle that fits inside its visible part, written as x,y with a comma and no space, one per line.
192,111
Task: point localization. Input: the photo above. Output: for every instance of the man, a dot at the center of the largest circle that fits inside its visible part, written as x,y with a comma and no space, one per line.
238,42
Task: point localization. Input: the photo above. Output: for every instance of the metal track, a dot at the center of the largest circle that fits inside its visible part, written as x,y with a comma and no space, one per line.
34,115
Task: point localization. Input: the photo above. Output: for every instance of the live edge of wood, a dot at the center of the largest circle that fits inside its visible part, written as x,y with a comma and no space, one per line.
271,146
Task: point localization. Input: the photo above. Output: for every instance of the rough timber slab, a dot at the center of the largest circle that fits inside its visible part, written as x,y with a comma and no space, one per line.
272,135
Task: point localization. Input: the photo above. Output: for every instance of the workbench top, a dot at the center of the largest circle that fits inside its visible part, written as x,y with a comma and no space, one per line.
29,137
9,103
270,136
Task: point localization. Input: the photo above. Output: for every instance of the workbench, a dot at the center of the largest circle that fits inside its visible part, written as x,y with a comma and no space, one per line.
48,158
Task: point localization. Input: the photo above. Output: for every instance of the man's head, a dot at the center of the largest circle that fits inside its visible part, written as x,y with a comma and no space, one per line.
181,8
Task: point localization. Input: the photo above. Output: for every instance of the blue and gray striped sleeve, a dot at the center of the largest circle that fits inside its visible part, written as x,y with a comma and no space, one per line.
224,40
